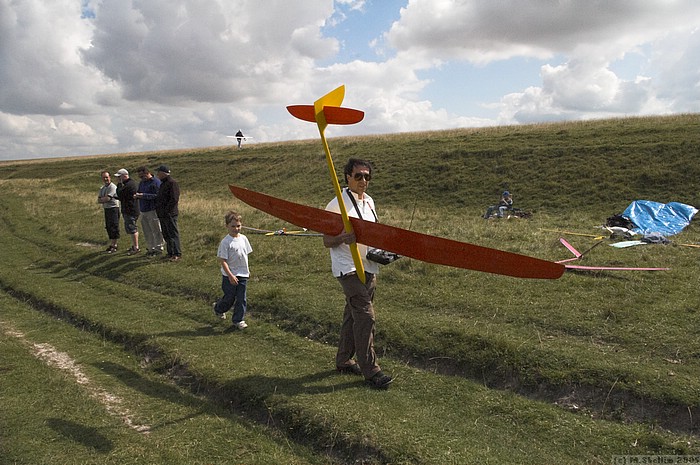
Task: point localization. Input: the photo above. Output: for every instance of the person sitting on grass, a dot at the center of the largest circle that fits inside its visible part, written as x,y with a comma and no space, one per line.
233,257
505,204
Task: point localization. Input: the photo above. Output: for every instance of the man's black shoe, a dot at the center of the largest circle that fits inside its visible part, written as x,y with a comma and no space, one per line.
379,381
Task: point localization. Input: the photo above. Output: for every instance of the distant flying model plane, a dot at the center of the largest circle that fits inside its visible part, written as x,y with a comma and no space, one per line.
239,137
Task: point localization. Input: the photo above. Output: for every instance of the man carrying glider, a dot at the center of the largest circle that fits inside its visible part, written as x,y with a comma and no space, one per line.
357,330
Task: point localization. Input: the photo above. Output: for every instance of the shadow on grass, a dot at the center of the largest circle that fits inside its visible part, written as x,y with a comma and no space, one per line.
136,381
85,435
202,331
111,265
156,390
260,388
248,391
108,266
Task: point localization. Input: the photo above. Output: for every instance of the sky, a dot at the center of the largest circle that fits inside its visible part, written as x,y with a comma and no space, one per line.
85,77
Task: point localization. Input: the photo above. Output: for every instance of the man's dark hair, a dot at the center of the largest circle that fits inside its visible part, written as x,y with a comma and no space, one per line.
352,163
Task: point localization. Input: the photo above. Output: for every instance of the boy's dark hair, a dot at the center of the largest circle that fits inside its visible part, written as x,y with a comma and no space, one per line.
352,163
143,169
232,215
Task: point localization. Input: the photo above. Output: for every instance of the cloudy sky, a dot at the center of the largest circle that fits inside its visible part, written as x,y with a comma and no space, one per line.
82,77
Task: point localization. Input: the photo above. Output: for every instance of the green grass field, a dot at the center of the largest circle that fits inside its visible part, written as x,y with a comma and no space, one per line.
118,359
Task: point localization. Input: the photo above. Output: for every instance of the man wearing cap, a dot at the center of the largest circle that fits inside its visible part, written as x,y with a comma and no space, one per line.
505,204
126,189
167,209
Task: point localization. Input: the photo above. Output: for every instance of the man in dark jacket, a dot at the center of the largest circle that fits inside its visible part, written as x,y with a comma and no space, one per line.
126,189
166,208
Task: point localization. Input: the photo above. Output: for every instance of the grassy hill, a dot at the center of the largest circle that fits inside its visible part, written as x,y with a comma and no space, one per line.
489,369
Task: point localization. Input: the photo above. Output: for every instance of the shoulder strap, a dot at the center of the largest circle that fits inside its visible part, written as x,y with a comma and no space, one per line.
357,209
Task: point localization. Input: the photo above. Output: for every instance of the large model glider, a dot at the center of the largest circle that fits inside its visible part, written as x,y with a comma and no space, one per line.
325,111
412,244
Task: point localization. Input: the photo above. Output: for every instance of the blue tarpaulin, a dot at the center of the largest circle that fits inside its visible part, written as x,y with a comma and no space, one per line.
654,217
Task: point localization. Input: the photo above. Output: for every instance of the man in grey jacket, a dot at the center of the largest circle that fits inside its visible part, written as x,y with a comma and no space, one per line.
110,204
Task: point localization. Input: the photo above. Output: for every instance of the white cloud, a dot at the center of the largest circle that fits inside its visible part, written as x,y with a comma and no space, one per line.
592,36
40,69
580,90
485,31
174,52
97,76
677,58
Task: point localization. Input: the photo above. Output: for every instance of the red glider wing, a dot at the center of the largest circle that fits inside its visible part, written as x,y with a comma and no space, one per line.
422,247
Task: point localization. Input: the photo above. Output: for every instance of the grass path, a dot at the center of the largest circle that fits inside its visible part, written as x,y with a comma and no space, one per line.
284,382
84,399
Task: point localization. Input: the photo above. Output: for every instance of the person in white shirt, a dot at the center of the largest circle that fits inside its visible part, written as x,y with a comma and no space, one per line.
357,330
110,203
233,257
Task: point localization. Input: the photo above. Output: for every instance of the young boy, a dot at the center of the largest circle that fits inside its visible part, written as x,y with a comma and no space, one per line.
233,257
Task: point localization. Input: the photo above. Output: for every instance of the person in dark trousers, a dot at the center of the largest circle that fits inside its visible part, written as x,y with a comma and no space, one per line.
110,203
505,204
146,195
239,138
126,190
167,210
357,329
233,254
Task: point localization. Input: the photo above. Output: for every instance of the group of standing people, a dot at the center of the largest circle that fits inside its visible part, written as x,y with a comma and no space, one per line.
154,199
355,354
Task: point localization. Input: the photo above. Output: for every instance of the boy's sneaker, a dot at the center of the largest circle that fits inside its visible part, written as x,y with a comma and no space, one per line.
240,325
133,251
221,316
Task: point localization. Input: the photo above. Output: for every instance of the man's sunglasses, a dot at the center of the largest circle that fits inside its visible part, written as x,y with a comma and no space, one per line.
360,176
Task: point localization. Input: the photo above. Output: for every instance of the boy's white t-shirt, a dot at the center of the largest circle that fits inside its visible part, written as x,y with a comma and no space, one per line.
235,251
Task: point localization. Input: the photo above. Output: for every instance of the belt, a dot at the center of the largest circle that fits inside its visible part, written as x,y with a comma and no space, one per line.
342,275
